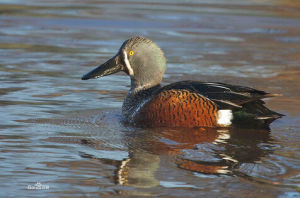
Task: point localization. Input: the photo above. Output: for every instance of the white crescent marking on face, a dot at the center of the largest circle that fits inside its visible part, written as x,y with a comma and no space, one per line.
127,63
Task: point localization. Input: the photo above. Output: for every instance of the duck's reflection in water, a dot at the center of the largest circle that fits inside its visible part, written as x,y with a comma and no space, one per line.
201,150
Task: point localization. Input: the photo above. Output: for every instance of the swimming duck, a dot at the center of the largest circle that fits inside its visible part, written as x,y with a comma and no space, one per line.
180,104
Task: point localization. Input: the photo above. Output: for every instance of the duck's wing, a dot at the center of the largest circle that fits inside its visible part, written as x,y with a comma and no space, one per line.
226,96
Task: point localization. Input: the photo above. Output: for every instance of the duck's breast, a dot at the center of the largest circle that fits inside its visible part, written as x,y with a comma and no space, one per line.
178,108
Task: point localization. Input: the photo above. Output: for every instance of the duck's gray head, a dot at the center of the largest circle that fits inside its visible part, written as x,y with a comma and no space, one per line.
140,58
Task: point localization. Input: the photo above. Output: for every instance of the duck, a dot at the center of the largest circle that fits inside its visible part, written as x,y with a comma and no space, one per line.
185,104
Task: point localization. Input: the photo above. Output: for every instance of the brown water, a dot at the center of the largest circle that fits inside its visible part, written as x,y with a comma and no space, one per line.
67,134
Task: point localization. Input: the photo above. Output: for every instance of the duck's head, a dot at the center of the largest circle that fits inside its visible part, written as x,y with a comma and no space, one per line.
138,57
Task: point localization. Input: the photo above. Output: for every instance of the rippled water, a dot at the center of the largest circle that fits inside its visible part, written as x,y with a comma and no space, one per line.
68,134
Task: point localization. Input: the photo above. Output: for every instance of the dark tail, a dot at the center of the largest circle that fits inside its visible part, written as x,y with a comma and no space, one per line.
254,113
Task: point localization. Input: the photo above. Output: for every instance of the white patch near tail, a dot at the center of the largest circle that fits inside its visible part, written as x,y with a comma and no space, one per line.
224,117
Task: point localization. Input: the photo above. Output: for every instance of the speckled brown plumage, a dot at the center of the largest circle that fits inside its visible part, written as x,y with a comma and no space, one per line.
174,108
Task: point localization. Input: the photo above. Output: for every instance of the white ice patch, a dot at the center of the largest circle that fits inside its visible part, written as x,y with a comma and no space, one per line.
224,117
127,63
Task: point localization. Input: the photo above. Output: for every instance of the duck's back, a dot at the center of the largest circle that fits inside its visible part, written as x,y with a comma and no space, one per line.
201,104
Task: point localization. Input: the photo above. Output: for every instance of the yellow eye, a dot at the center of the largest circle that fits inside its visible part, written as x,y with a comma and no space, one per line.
131,53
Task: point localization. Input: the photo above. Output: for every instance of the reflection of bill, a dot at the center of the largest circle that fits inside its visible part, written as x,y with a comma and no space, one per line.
228,148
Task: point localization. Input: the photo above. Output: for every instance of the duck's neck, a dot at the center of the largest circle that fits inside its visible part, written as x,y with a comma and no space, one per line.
137,86
137,97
